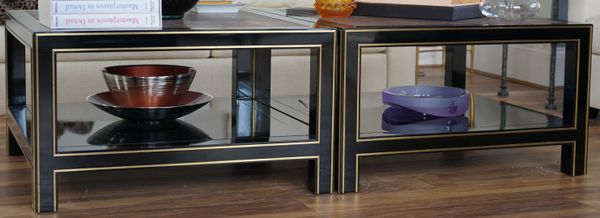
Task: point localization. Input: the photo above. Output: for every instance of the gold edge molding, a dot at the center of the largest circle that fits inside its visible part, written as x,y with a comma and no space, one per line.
187,149
587,126
190,32
65,50
341,175
54,93
358,86
459,28
557,143
204,163
344,87
453,135
36,117
6,72
333,112
468,42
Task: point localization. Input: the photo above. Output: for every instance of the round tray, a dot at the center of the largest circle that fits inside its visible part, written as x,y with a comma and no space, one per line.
432,100
187,103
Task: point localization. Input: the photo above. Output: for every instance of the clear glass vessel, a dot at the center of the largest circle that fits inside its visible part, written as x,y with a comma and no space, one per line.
510,9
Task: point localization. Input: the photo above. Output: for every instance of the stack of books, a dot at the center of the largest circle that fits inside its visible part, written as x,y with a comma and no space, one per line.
218,6
113,14
420,9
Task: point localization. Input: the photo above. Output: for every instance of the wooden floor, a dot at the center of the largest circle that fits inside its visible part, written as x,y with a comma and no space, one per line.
497,183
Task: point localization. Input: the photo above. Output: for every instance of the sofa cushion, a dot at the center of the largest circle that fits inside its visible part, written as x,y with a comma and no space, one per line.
288,52
596,22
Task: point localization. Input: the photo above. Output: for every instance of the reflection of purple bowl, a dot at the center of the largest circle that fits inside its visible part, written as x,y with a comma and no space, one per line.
433,100
407,122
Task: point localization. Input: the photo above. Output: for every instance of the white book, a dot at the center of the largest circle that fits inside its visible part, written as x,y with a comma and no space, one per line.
100,17
117,21
105,6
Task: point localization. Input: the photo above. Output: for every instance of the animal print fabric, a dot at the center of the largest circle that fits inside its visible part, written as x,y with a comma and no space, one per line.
16,5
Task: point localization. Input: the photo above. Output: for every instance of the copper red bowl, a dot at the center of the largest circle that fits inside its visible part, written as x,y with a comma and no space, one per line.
186,104
148,85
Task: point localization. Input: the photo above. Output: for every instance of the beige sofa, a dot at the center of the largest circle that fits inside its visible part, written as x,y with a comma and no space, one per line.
595,89
79,74
587,11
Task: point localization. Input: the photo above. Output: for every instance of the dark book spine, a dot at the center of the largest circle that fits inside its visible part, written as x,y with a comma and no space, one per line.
418,11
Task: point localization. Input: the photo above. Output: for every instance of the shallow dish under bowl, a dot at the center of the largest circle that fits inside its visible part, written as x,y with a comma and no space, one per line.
186,104
432,100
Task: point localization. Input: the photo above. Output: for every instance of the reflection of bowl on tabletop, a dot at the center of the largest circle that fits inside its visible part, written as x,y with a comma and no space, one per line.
148,85
186,104
433,100
408,122
126,132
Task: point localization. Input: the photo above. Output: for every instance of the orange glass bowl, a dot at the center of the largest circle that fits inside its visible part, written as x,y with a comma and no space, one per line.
335,8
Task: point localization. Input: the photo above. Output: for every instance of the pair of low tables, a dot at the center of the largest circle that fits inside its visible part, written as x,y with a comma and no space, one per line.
333,132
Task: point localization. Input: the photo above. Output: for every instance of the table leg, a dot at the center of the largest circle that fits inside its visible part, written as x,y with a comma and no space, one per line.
456,66
15,85
43,121
574,156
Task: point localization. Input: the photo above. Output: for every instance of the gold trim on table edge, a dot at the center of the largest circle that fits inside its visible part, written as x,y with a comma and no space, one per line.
557,143
333,112
587,121
54,93
203,163
191,32
343,87
459,28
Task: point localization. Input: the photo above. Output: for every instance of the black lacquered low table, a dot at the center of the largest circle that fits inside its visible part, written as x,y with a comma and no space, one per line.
369,128
492,123
59,137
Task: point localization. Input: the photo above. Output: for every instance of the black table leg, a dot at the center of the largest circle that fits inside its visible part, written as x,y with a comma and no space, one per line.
574,155
456,66
15,88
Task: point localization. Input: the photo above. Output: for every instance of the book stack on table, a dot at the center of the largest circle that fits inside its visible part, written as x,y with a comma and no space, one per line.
218,6
113,14
420,9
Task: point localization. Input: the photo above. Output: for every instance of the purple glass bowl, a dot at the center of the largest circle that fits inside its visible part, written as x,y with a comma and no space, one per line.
432,100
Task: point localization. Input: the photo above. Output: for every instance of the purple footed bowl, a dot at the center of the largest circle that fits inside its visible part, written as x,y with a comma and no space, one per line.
432,100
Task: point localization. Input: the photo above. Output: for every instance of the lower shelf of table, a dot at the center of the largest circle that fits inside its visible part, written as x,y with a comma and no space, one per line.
486,115
83,128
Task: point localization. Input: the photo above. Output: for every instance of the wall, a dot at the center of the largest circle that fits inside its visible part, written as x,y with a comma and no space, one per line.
579,10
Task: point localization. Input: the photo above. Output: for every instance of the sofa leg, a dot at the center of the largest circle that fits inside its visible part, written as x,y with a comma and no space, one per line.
593,113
